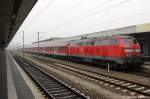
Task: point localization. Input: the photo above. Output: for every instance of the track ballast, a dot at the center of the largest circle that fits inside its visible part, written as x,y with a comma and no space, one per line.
130,87
52,87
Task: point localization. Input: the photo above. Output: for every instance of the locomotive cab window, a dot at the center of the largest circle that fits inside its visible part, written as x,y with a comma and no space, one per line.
135,41
130,41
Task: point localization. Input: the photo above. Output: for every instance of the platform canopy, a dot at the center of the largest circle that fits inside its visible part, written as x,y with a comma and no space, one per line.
12,15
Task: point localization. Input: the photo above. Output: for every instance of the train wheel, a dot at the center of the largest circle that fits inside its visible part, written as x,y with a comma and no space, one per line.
113,65
104,64
95,62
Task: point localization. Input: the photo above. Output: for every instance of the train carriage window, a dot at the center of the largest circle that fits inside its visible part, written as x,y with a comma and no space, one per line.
113,41
78,43
101,42
130,41
105,42
98,42
92,43
84,43
87,43
81,44
135,41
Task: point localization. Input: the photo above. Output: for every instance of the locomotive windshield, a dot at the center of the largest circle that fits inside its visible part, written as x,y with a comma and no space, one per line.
130,41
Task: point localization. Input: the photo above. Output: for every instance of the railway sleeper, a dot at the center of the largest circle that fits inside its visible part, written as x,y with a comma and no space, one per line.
56,86
60,90
57,89
49,83
69,97
58,94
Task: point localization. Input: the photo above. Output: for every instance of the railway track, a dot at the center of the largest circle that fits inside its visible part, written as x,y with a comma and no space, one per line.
132,88
139,72
52,87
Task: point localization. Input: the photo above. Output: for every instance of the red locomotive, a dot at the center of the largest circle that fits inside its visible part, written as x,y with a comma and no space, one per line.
117,49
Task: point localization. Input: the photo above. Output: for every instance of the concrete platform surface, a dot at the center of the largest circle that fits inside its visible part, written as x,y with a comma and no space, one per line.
12,83
22,89
3,75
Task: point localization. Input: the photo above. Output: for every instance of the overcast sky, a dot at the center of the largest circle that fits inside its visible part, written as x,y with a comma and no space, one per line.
64,18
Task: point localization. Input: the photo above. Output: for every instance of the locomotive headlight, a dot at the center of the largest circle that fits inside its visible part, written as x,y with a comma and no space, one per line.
132,50
128,50
137,50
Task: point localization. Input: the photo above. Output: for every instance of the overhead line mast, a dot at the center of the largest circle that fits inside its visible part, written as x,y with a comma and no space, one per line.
23,43
38,39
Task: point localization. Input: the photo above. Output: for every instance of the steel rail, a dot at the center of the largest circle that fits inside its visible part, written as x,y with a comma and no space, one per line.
52,87
133,89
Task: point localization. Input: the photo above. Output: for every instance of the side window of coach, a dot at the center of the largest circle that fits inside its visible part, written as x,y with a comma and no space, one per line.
92,43
105,42
113,41
80,44
102,42
98,42
87,43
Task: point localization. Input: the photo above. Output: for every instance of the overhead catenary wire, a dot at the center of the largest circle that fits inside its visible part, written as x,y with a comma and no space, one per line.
112,6
74,6
87,11
63,13
84,12
80,16
127,17
118,19
50,3
42,11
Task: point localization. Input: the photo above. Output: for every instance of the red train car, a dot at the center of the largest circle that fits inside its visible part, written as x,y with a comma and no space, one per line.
120,49
117,49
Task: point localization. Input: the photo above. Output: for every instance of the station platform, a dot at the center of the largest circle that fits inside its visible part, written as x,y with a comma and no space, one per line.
12,84
3,75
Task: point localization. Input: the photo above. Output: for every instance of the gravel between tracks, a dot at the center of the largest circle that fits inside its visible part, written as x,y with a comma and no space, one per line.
95,91
125,76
